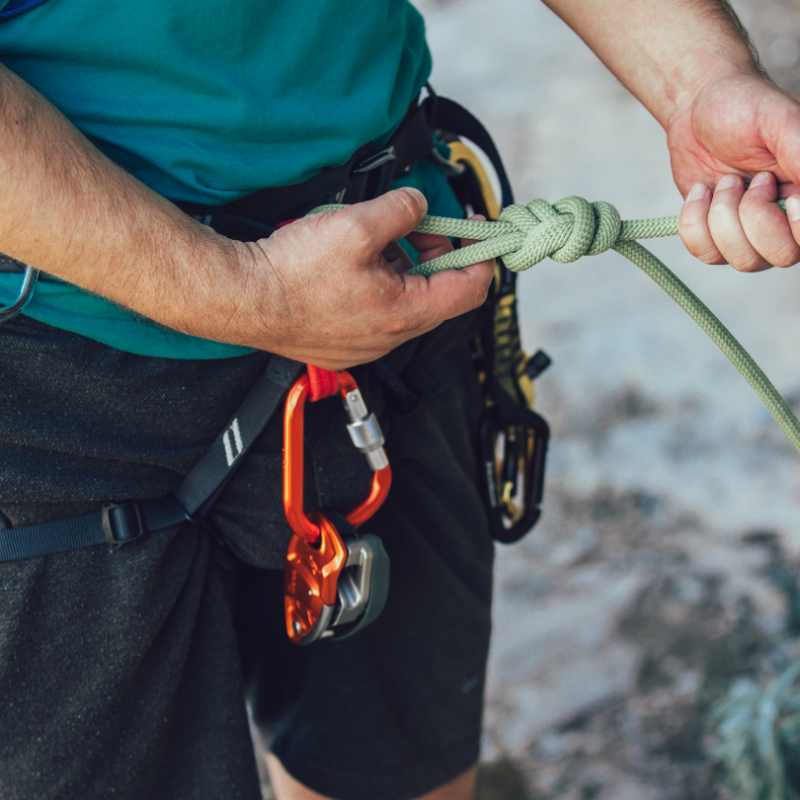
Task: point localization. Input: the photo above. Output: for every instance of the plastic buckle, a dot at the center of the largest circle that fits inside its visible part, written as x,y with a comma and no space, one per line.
384,161
121,523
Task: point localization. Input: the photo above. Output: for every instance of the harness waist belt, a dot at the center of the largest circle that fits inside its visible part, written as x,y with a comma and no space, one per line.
367,174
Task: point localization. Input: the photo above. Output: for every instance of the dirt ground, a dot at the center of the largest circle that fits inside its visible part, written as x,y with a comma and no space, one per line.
665,565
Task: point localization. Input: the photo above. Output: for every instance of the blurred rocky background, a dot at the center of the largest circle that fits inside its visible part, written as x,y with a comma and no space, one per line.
664,569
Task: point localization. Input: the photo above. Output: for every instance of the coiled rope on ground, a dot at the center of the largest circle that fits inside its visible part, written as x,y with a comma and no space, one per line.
572,228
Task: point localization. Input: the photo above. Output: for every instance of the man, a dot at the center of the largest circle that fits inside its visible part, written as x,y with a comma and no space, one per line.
119,672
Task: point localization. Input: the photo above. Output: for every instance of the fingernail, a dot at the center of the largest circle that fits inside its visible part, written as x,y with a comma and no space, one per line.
698,192
793,208
727,182
759,179
419,198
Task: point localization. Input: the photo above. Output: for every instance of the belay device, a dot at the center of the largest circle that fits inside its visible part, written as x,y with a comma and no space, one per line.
336,581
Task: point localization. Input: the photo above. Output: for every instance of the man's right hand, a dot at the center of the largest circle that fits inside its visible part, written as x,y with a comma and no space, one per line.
330,289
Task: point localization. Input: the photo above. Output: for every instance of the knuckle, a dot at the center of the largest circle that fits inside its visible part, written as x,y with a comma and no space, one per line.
693,231
701,247
749,263
356,229
786,256
400,324
711,257
751,202
406,202
404,207
479,294
720,213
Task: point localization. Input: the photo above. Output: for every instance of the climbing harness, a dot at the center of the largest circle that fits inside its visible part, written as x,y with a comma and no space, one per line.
346,574
336,582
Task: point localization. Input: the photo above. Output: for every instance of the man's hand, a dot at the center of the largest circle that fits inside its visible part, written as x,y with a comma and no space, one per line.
330,289
739,126
690,64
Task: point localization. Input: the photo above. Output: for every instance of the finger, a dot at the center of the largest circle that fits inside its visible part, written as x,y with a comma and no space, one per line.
765,224
370,226
440,248
444,295
429,242
786,190
726,228
397,258
466,242
427,245
793,214
693,226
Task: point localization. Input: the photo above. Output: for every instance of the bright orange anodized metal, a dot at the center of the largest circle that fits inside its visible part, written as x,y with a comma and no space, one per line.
316,554
311,574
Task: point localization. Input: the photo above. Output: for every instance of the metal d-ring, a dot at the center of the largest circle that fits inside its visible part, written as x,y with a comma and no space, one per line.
24,297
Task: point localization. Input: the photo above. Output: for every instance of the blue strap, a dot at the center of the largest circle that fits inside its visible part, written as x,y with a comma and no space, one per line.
118,524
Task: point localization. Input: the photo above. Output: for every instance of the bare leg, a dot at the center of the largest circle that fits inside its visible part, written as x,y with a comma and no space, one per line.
287,788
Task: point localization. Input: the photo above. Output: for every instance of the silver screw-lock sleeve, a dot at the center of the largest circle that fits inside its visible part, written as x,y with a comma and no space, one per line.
365,431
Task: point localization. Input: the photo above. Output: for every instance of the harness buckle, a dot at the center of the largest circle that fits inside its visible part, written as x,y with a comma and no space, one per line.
384,160
335,581
121,523
378,160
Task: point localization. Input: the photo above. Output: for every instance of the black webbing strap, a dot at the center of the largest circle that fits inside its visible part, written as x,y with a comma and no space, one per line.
368,173
117,524
207,478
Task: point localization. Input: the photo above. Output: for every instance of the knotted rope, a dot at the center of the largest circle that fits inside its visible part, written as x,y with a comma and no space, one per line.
572,228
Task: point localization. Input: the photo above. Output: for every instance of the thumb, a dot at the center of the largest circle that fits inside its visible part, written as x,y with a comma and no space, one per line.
387,218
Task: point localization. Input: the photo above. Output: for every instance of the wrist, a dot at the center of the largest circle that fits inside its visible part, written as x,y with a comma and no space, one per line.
697,73
215,286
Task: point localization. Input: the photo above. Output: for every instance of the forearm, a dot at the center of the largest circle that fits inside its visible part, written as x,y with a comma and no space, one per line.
664,51
68,210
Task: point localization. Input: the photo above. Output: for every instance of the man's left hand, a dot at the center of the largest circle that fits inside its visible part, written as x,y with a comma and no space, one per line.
735,150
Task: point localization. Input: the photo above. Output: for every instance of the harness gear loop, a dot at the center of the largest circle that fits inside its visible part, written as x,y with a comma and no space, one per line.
332,576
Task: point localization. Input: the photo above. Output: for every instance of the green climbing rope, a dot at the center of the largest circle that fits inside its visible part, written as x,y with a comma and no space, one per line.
572,228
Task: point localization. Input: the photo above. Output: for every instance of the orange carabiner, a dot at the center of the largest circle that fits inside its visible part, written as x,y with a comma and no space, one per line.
317,554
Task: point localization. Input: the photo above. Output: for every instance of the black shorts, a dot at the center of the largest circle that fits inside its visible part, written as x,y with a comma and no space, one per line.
122,673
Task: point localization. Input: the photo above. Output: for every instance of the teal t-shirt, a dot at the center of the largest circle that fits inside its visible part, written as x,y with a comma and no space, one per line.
207,102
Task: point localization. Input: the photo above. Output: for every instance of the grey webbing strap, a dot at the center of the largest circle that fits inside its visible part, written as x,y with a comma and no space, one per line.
117,524
209,475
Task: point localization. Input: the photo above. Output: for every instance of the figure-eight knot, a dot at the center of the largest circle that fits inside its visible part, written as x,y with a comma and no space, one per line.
525,235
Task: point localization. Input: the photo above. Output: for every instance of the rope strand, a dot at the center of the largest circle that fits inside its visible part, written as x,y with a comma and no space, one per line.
572,228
